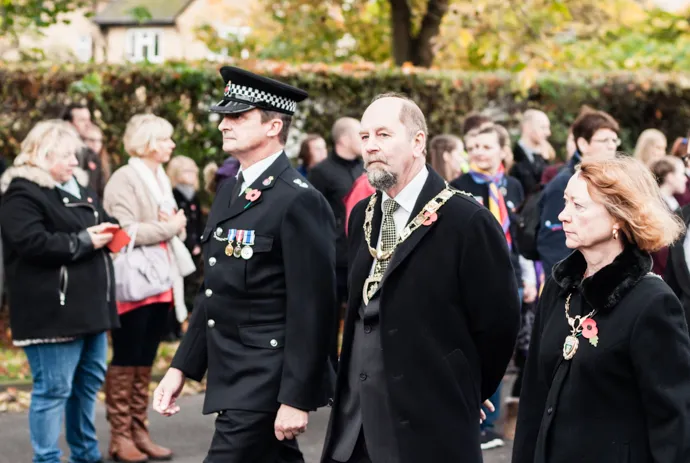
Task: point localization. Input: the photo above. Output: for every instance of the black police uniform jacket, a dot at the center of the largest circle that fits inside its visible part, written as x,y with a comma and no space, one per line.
625,400
262,327
449,317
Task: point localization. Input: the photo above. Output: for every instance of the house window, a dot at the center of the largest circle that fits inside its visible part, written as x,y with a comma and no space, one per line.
83,49
145,45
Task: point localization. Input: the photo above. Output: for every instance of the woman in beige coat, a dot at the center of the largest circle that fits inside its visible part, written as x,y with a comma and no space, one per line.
140,197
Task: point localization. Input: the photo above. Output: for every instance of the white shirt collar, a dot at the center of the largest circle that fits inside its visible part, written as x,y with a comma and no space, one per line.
407,197
253,172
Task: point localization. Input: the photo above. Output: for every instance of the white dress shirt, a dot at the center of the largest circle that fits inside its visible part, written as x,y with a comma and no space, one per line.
256,170
407,198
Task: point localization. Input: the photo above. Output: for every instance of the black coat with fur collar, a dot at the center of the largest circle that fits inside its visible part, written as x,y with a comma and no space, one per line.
628,398
58,285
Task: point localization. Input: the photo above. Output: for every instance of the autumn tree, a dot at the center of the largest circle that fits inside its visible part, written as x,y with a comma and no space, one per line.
20,17
518,35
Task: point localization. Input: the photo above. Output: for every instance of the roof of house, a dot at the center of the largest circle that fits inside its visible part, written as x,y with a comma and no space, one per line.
119,12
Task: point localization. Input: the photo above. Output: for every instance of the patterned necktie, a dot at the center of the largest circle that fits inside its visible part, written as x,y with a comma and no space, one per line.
389,235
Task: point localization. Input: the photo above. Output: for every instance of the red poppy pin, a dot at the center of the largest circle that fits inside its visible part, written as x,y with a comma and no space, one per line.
590,331
92,165
431,217
251,196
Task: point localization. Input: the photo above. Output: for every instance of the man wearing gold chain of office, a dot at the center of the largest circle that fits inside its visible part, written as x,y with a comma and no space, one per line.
433,306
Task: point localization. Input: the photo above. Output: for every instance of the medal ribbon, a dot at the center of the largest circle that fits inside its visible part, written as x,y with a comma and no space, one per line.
248,238
231,235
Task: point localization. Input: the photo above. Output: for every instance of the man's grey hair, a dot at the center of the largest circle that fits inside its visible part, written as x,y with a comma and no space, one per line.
410,115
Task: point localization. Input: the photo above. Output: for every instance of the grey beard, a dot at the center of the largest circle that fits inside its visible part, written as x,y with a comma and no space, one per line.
382,179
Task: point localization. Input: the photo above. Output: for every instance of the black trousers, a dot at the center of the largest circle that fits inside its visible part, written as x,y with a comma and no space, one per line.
359,453
136,342
244,436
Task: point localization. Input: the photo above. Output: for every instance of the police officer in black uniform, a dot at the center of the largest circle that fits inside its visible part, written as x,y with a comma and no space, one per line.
261,326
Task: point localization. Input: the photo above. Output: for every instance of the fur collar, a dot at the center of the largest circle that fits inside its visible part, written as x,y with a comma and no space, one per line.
609,285
38,176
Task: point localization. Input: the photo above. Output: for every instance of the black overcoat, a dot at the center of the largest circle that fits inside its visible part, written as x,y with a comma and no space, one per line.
449,317
627,399
58,285
677,274
262,327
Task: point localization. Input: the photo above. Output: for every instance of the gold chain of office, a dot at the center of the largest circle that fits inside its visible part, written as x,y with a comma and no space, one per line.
431,207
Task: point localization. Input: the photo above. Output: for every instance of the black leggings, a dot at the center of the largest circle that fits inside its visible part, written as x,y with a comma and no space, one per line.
135,343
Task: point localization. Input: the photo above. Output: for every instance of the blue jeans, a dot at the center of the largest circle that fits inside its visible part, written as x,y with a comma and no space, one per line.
66,378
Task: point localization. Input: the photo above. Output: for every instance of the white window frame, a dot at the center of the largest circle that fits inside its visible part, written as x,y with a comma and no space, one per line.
142,41
84,48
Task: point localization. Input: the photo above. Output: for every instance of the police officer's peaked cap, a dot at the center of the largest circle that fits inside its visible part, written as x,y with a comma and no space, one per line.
245,90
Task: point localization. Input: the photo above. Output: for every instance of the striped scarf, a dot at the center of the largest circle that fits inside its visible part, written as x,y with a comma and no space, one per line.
497,204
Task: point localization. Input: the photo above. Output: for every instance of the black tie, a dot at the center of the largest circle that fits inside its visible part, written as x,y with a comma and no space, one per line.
236,188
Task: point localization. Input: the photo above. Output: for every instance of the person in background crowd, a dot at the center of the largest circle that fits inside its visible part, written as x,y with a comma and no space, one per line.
472,121
609,362
502,195
551,171
312,151
650,147
139,195
530,150
60,285
184,179
214,176
262,327
669,172
333,178
360,190
508,156
447,156
596,136
79,116
411,382
681,150
93,138
670,176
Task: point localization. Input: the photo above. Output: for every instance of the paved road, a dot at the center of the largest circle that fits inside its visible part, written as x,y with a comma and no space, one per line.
188,433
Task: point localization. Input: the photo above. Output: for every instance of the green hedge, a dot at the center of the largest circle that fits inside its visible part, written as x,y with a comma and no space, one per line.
182,93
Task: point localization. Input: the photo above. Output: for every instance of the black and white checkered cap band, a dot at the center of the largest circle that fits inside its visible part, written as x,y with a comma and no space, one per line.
252,95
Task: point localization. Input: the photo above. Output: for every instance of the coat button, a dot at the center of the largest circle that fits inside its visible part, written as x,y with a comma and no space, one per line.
65,200
363,377
367,329
209,292
212,261
274,343
211,323
550,410
219,231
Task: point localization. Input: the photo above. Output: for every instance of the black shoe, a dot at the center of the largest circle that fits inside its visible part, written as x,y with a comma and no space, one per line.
490,440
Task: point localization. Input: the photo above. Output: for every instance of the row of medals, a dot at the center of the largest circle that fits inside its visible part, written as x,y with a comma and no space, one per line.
238,251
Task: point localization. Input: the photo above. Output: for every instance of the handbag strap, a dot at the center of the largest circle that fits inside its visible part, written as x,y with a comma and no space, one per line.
132,232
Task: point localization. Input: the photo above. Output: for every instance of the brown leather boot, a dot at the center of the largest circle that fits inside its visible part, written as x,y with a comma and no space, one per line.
140,403
118,396
510,418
